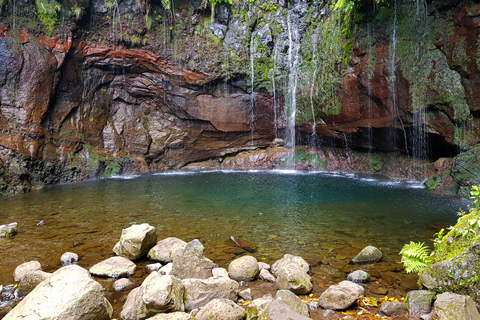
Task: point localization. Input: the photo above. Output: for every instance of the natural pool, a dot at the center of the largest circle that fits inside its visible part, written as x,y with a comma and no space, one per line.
325,217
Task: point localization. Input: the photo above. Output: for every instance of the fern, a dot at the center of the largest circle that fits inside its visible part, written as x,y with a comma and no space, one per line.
415,256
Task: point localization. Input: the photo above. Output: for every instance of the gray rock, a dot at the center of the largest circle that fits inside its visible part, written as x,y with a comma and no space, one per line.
8,230
263,265
338,297
265,36
287,259
68,258
276,310
198,292
455,306
30,281
153,267
243,269
114,267
123,285
222,13
220,273
235,37
359,276
25,268
392,309
218,30
164,249
292,301
246,294
369,254
190,262
172,316
267,276
166,269
136,241
157,294
294,278
257,306
359,288
419,302
70,293
221,309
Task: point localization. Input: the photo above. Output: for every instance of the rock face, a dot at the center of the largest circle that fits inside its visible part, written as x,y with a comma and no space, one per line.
190,262
198,292
136,241
369,254
8,230
114,267
454,306
71,294
221,309
164,249
243,269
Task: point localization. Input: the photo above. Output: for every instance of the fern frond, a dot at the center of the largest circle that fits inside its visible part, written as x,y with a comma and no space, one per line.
415,256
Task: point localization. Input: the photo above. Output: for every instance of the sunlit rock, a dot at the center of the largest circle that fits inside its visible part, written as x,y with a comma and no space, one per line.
277,310
172,316
267,276
288,258
221,309
355,286
257,306
392,309
8,230
294,278
114,267
449,305
198,292
292,301
68,258
25,268
338,297
136,241
164,249
243,269
30,281
190,262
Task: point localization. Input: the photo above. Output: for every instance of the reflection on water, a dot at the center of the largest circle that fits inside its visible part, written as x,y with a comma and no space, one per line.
320,215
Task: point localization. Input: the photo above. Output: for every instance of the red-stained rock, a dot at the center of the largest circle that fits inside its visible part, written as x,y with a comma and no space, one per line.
24,36
3,30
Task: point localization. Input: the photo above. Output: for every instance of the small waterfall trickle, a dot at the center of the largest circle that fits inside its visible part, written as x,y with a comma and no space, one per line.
312,90
116,20
253,50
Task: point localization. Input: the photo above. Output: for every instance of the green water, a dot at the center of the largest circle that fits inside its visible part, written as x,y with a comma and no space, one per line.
316,215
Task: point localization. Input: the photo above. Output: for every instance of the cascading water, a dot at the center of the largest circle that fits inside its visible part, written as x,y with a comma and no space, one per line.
116,19
312,89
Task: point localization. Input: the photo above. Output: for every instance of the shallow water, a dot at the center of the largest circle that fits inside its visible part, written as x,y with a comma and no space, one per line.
323,216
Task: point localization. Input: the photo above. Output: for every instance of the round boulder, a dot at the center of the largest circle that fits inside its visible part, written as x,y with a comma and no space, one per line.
359,276
243,269
369,254
338,297
25,268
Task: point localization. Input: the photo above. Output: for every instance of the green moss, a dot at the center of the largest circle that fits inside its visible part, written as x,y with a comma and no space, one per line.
47,13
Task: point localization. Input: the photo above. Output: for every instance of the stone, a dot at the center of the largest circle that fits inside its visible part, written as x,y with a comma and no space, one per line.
136,241
419,302
153,267
450,305
354,285
392,309
246,294
172,316
257,306
30,281
294,278
71,294
218,30
221,309
198,292
68,258
292,301
220,273
359,276
263,265
276,310
243,269
166,269
25,268
287,259
267,276
157,294
190,262
114,267
8,230
123,284
338,297
164,249
369,254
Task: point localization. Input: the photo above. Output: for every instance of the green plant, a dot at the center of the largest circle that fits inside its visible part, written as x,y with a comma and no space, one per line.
47,13
475,196
213,3
415,256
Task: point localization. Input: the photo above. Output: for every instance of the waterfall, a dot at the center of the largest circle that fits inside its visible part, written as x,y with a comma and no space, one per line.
312,90
116,19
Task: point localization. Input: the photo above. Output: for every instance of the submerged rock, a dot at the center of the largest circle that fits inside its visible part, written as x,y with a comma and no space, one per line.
359,276
70,293
8,230
123,284
369,254
114,267
136,241
25,268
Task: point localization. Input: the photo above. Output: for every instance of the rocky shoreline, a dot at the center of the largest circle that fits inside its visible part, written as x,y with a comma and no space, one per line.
184,284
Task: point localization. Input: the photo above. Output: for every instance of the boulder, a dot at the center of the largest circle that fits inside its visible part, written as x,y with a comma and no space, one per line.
198,292
392,309
25,268
68,258
220,273
287,259
136,241
70,293
190,262
30,281
355,286
257,306
369,254
172,316
246,294
276,310
292,301
419,302
359,276
267,276
221,309
157,294
294,278
123,284
455,306
8,230
164,249
243,269
263,265
114,267
338,297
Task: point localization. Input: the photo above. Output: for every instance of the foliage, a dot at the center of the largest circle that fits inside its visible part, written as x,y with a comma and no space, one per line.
376,162
213,3
415,256
301,156
47,13
475,196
